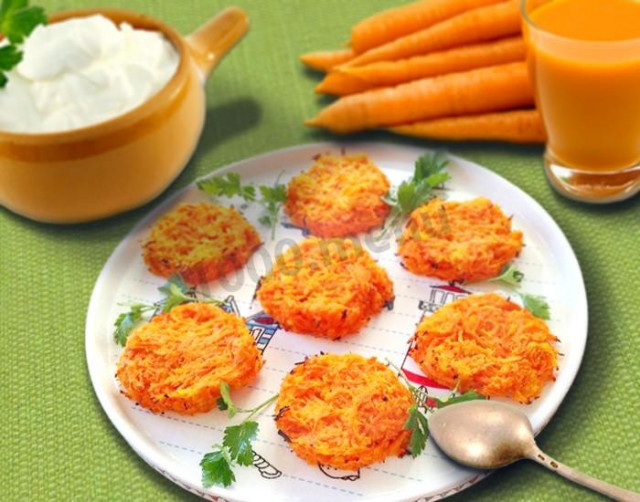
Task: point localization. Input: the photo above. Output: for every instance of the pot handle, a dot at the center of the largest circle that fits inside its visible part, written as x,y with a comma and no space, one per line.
214,39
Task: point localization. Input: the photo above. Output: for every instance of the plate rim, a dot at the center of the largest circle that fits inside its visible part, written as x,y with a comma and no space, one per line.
171,469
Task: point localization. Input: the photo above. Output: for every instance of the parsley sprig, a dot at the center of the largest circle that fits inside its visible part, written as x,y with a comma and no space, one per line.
175,292
17,21
417,422
227,185
510,275
536,304
429,173
271,197
217,465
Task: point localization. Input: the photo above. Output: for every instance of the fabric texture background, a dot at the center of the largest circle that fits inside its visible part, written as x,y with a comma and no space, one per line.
57,444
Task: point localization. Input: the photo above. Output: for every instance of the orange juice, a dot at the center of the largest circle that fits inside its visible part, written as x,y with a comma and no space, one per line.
584,60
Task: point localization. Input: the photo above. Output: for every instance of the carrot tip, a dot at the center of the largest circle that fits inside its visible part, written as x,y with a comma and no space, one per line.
320,88
314,122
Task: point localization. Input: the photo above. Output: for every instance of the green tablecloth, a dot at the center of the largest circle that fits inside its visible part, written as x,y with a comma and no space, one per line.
56,442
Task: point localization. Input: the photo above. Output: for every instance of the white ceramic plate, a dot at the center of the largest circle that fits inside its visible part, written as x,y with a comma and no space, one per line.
174,444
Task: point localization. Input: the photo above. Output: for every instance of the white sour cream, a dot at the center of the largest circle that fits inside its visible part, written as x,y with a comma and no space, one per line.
81,72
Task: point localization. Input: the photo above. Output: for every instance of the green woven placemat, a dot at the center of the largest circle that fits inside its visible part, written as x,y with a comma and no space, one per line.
56,442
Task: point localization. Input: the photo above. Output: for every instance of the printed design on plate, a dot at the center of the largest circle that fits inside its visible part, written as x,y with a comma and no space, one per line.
291,226
261,325
333,473
439,295
265,468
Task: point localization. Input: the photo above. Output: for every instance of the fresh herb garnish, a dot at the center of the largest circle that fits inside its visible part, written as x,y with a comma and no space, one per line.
429,172
509,275
418,423
17,21
227,185
537,305
271,197
128,320
175,292
470,395
217,466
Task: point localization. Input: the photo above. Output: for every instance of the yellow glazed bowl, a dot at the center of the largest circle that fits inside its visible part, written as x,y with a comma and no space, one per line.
98,171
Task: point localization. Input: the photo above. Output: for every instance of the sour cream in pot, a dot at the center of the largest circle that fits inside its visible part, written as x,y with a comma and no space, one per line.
81,72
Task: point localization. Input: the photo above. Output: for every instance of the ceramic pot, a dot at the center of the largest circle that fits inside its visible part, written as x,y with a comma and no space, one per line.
101,170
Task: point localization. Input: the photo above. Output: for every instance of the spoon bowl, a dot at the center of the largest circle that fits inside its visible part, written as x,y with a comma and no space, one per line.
488,434
482,434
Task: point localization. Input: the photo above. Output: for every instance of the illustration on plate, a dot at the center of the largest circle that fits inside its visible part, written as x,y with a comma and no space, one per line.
261,325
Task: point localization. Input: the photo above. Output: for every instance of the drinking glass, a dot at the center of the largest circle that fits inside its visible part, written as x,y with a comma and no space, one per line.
588,93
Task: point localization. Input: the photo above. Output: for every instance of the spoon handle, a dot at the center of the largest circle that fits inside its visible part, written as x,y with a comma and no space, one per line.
610,491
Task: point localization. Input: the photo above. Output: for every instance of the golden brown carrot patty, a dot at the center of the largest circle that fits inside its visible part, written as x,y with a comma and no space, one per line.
201,242
338,196
325,287
459,241
486,343
343,411
177,361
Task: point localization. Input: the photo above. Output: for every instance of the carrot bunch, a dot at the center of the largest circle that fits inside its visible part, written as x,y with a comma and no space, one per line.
443,69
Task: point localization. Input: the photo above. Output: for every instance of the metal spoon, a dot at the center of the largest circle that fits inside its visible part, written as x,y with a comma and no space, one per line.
487,434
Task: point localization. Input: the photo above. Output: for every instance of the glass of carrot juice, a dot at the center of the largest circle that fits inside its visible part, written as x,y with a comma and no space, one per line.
584,62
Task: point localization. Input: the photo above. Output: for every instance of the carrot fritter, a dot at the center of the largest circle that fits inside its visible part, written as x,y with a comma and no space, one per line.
343,411
459,241
325,287
177,361
486,343
338,196
201,242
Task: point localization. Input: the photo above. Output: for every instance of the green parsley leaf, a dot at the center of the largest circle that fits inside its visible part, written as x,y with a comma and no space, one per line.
227,185
537,305
272,198
127,320
429,166
273,195
509,275
216,468
266,220
176,293
9,57
429,173
17,21
471,395
238,439
418,424
225,396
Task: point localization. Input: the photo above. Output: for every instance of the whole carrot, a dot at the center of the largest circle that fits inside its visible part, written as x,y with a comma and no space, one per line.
339,83
468,57
394,23
478,25
517,126
325,60
350,80
490,89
